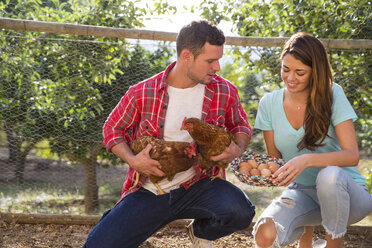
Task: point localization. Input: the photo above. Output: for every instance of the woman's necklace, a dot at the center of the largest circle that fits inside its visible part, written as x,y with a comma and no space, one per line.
300,106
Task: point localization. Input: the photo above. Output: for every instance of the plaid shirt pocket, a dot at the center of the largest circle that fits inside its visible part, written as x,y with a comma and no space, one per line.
148,127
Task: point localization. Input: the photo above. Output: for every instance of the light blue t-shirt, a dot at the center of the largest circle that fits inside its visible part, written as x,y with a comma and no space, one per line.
271,116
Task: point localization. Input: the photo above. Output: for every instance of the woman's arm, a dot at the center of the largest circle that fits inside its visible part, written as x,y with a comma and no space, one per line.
270,145
348,155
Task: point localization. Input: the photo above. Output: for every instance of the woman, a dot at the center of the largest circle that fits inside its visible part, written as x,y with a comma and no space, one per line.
309,124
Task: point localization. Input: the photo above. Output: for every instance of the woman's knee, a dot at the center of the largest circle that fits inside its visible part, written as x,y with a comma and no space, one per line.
330,182
265,232
329,177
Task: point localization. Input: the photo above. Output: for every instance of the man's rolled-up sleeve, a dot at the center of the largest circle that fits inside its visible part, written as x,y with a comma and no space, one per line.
237,119
120,121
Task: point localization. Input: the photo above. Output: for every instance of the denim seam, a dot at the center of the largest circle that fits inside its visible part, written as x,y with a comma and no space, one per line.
304,215
327,229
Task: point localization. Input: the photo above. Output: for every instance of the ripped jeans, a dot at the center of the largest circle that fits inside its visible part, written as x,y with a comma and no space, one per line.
335,202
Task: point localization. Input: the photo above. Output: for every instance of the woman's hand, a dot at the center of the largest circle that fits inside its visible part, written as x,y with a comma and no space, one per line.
290,171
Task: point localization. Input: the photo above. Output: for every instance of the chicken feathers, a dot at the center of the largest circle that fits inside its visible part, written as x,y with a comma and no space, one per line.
211,140
173,156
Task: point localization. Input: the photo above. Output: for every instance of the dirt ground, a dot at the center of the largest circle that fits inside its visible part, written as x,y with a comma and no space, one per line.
70,236
13,235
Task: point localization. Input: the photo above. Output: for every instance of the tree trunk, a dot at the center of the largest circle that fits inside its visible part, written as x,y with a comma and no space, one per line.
20,163
16,157
90,185
90,178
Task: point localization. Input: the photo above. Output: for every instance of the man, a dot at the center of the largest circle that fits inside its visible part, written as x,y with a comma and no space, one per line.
188,87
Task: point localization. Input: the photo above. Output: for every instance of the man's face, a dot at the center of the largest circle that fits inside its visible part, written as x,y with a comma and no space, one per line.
206,64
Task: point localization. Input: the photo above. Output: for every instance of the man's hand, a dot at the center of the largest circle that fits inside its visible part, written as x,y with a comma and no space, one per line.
145,165
231,152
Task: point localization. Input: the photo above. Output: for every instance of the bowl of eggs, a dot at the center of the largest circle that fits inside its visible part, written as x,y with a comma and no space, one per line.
256,169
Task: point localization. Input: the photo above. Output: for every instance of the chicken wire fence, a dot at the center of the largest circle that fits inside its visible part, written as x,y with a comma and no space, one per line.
56,92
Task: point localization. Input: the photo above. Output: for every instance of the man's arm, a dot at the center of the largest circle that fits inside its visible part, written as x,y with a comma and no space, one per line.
116,128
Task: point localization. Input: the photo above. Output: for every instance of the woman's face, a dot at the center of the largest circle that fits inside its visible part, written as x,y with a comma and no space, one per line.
295,74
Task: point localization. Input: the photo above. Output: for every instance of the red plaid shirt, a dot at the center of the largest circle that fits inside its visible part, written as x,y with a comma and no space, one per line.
142,111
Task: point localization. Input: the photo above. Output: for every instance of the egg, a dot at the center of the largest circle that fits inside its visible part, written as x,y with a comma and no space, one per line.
273,166
265,172
244,170
245,164
255,172
262,166
253,163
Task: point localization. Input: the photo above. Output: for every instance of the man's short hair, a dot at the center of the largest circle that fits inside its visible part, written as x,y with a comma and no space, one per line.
194,36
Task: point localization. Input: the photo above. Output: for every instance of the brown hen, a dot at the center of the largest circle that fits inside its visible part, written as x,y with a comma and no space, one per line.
173,156
211,140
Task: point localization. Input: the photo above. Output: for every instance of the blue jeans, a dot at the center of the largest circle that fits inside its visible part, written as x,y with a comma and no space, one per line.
218,207
335,202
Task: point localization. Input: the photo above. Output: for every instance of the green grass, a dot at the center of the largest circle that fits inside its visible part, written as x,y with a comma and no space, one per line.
46,199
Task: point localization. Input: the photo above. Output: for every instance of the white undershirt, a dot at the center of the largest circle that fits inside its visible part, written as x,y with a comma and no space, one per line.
182,103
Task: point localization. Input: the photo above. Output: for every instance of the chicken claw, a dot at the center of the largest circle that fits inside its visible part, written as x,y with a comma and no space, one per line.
136,181
219,175
161,192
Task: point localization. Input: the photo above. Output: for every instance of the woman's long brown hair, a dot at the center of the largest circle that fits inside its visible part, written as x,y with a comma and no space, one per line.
311,52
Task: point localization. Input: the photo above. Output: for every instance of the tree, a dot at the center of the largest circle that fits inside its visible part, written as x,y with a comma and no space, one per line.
19,112
74,81
324,19
103,70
